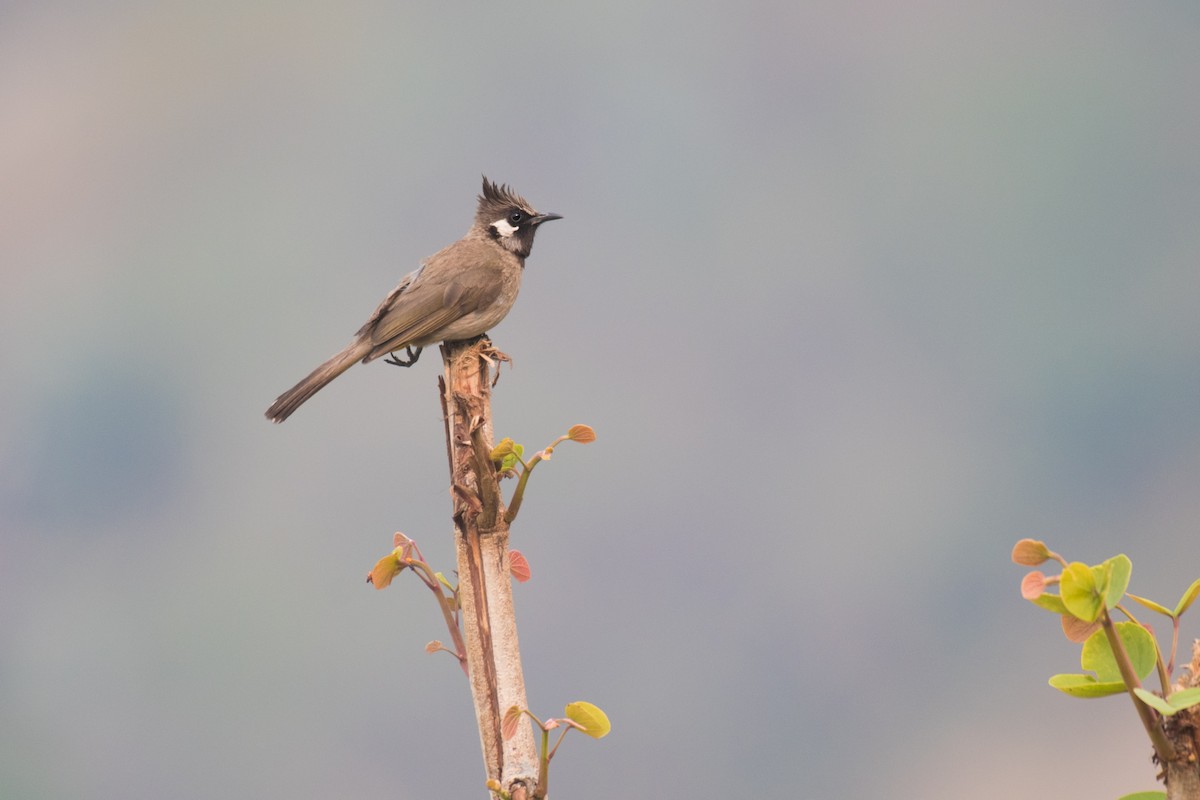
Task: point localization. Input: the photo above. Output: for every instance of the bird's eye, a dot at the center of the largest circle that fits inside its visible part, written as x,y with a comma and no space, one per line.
516,218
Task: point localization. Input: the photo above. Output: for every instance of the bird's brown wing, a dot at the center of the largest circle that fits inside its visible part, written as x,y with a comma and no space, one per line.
415,314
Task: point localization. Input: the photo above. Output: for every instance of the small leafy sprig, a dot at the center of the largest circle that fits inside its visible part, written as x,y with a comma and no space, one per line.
1119,654
507,454
406,555
580,715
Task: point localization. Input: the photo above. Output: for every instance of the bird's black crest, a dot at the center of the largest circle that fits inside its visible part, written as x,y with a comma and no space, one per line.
498,197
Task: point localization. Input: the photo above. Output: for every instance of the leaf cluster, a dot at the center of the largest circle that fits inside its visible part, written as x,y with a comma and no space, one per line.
507,455
1116,656
579,715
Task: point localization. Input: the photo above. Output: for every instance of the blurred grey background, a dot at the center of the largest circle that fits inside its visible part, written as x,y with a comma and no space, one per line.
855,295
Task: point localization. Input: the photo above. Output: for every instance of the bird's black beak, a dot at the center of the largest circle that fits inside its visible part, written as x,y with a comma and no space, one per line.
540,218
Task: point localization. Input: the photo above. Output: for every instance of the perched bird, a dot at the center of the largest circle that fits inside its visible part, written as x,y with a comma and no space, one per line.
458,293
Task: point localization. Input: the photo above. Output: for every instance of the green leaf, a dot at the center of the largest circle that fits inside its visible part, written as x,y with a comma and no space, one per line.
1155,702
1185,699
506,453
510,460
502,449
1172,705
1085,686
1097,654
1079,592
1144,796
1100,574
385,569
1188,597
1050,602
1118,568
590,719
1150,604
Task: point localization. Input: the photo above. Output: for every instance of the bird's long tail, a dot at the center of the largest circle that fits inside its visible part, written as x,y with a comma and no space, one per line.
293,398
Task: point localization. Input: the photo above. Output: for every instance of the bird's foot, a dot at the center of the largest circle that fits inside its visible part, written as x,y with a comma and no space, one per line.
396,361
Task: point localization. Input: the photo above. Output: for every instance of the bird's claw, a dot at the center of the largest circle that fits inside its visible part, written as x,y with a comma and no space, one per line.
395,360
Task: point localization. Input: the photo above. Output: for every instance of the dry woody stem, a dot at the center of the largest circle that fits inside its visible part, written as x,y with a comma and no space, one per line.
481,544
1183,773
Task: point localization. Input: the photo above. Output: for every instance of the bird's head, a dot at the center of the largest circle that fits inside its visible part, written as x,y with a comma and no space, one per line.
507,218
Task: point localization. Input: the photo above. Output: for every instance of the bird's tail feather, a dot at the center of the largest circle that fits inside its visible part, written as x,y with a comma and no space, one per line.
293,398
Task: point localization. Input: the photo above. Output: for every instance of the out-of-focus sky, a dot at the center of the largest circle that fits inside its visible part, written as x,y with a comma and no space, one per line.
855,295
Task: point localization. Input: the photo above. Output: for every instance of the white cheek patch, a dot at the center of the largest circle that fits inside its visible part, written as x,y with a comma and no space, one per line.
502,227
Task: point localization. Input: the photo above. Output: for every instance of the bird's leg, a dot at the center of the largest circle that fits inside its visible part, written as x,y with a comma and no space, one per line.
395,360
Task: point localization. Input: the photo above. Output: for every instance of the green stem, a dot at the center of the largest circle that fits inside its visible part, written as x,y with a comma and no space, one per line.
1174,643
560,741
1164,670
519,493
1163,746
543,785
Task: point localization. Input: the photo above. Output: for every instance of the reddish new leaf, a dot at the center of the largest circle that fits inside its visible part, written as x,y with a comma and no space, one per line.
518,566
508,725
1030,552
1033,585
1076,630
582,434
